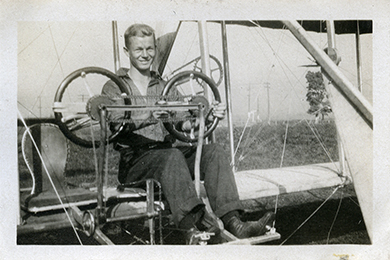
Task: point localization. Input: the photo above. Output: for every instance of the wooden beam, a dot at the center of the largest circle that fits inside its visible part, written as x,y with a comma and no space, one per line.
341,82
226,73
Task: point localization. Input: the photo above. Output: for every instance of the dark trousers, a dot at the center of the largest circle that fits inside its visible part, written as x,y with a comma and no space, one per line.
174,169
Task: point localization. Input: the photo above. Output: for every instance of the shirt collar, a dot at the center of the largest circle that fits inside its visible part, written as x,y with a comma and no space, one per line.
122,72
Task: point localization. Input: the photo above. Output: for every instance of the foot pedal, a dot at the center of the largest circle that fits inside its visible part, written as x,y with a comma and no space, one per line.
271,230
201,238
211,223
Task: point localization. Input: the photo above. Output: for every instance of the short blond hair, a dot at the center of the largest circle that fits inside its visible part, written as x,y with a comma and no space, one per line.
139,30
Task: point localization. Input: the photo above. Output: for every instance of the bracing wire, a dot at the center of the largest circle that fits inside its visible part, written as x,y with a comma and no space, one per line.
335,217
283,65
185,57
28,45
270,45
50,179
55,49
311,215
281,165
322,145
257,95
326,150
52,71
284,146
250,139
29,110
239,141
315,132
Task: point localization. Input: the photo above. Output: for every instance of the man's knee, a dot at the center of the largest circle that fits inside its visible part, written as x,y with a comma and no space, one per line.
172,154
215,148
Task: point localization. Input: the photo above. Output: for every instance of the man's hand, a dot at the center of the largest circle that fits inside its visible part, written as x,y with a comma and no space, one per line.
188,125
160,114
218,110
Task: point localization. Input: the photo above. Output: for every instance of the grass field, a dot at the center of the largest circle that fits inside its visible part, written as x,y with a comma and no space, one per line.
262,144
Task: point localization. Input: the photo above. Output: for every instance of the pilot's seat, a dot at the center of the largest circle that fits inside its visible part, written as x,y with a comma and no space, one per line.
43,207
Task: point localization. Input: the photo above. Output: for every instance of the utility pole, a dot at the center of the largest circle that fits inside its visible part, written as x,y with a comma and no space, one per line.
82,97
267,86
257,108
249,98
40,107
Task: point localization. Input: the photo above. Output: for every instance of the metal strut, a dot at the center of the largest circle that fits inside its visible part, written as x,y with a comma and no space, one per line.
100,216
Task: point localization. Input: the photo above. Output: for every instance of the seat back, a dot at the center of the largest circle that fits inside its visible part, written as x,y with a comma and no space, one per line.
45,151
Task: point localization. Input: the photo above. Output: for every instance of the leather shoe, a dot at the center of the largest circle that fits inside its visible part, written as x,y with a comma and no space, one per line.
248,229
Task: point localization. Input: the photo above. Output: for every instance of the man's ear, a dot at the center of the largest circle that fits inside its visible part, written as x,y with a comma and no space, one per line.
126,51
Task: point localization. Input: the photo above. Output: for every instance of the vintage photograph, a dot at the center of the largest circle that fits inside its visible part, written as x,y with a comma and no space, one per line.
112,150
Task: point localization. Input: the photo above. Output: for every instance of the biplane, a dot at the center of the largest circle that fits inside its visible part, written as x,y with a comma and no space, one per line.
78,114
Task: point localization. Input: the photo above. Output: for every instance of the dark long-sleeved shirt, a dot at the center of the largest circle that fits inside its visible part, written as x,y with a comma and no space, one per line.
143,129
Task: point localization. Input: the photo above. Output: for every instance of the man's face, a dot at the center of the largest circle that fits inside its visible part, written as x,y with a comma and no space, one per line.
141,52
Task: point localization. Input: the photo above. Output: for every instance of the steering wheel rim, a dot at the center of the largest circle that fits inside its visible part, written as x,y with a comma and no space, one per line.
219,68
60,94
180,78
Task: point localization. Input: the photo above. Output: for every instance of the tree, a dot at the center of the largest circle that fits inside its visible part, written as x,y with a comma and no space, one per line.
317,96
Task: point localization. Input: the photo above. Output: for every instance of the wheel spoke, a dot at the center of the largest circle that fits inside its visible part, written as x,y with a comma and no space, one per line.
77,116
84,77
76,123
181,82
192,85
68,107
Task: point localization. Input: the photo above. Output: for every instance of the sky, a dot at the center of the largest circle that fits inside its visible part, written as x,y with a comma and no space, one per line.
258,57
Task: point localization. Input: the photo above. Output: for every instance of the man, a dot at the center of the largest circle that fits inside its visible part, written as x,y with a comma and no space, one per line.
147,150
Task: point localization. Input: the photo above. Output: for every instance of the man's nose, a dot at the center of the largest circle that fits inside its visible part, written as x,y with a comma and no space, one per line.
144,53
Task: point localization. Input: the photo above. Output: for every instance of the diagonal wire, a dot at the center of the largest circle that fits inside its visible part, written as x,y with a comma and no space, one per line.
239,141
284,65
334,220
315,133
55,49
39,35
30,111
284,142
55,65
315,211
